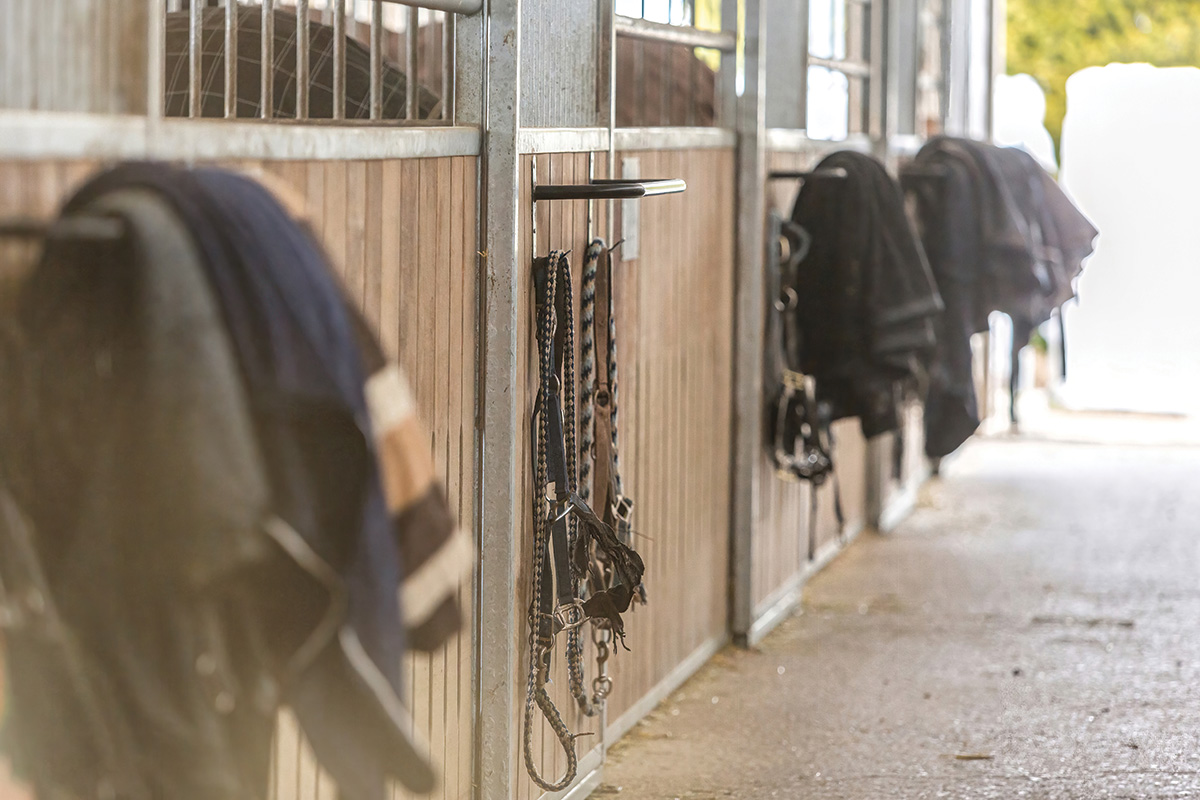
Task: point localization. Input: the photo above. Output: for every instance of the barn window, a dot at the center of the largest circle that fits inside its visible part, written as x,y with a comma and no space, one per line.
840,69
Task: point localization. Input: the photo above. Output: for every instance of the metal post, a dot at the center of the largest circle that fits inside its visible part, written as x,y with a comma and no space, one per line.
411,109
195,39
231,58
500,468
155,57
339,59
879,15
608,30
749,312
266,91
449,21
377,59
302,46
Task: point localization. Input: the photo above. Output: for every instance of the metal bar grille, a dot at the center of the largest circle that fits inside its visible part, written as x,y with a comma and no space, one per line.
448,37
363,61
634,28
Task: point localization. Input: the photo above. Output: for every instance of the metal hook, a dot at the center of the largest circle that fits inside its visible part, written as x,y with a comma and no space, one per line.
81,228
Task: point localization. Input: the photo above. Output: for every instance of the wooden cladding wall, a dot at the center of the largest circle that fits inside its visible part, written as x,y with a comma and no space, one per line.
786,542
677,416
402,235
674,309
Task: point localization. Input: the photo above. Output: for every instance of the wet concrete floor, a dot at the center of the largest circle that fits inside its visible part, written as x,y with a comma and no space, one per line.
1033,630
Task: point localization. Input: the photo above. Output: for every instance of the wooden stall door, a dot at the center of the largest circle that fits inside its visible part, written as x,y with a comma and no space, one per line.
674,307
402,234
675,334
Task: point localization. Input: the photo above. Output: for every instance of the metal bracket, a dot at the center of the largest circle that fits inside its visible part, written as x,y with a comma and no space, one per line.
610,189
790,174
598,189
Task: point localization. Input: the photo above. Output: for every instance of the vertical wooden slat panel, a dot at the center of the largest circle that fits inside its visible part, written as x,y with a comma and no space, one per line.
454,455
441,432
466,496
356,231
334,222
425,382
315,189
409,213
373,238
391,234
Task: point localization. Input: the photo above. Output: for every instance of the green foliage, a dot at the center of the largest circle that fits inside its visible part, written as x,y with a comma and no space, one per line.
1052,39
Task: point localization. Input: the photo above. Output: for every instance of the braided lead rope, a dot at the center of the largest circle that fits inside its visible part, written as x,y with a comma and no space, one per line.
587,372
575,642
612,390
589,706
535,690
569,408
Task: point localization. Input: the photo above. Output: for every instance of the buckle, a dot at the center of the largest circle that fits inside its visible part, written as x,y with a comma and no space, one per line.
569,616
794,380
622,508
787,300
563,503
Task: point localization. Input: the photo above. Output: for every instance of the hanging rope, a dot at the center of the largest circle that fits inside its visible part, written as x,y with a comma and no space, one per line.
587,371
599,438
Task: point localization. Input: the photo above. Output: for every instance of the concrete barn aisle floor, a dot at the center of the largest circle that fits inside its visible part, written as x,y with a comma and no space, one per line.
1033,630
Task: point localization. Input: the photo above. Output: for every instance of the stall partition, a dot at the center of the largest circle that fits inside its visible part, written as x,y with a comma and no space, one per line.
673,309
402,235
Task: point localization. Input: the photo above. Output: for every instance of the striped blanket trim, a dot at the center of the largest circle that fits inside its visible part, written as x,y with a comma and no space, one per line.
436,555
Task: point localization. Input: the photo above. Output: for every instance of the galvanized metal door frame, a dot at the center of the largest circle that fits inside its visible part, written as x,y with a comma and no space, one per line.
498,415
750,116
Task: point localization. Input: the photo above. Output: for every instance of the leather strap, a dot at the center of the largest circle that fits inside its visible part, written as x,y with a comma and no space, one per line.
603,484
556,586
794,408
